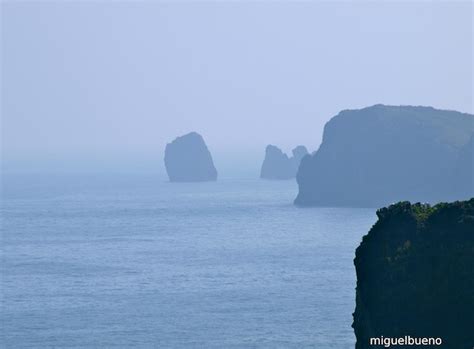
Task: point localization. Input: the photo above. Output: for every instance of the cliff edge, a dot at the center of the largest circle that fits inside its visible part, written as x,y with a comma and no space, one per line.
415,275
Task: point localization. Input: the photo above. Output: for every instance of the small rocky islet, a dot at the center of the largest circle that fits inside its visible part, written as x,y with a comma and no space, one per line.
187,159
277,165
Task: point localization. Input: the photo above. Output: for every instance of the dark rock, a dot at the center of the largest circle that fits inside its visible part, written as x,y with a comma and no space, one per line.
415,275
383,154
187,159
277,165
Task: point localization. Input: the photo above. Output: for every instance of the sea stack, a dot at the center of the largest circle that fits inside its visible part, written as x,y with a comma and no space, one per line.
379,155
277,165
415,276
187,159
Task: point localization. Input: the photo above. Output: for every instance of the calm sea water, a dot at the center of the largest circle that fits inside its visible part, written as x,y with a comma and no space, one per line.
134,261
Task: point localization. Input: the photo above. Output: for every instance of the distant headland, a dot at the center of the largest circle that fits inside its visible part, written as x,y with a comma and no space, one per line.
378,155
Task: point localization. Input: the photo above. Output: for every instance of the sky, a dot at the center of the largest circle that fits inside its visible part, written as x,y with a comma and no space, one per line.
95,86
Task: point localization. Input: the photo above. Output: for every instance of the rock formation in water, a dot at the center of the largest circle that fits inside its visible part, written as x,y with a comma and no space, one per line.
277,165
415,275
187,159
383,154
298,153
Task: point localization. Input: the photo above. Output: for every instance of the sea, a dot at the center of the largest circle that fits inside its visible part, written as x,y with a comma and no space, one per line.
121,261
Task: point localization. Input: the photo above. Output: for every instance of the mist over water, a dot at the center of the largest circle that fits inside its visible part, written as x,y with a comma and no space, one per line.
103,86
99,250
99,261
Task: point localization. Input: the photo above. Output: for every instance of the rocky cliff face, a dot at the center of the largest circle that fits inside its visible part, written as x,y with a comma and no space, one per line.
383,154
187,159
415,275
464,171
277,165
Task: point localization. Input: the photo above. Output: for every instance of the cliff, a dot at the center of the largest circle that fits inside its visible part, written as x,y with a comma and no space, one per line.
464,172
187,159
277,165
383,154
415,275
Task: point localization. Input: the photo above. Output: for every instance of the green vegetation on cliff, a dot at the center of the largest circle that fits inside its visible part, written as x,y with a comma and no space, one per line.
415,275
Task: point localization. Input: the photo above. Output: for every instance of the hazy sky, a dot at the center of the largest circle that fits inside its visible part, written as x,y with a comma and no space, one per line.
103,86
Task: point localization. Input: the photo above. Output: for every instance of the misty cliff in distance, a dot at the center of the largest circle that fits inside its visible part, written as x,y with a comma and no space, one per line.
187,159
277,165
464,171
383,154
415,276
